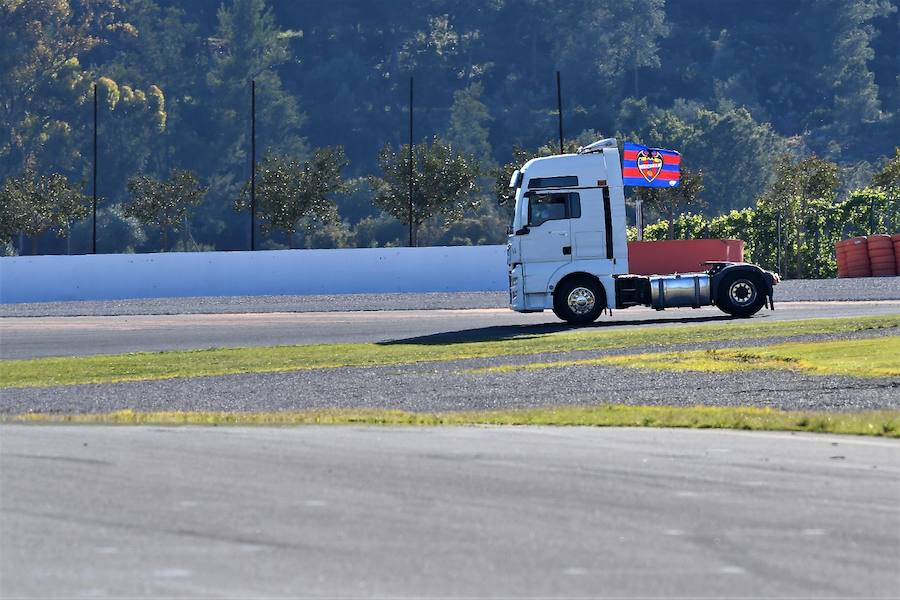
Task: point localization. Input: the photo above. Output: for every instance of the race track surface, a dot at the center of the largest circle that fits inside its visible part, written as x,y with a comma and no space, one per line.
445,512
28,337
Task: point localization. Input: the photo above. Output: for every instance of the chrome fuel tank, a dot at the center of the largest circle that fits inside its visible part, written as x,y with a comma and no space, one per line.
689,289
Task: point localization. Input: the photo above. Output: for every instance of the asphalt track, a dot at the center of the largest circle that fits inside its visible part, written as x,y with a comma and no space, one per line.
27,337
446,512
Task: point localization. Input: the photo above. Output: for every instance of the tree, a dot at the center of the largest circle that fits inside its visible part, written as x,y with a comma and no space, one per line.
33,204
794,206
41,80
443,182
615,38
733,151
289,190
469,118
163,204
249,46
888,179
670,202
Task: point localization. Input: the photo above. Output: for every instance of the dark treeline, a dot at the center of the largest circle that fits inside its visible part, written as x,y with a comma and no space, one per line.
736,86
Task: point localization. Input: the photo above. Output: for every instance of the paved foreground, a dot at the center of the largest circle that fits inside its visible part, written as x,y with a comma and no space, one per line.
525,512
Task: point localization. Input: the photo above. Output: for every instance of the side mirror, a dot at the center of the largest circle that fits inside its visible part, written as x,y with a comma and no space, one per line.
523,231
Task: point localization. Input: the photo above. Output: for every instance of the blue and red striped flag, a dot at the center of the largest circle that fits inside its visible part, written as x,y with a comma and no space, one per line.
650,167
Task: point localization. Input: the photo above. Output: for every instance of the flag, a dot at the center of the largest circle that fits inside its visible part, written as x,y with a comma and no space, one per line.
650,167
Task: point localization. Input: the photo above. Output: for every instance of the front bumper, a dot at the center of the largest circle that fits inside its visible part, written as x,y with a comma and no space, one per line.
516,289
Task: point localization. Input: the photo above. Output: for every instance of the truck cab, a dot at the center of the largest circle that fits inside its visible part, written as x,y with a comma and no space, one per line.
567,250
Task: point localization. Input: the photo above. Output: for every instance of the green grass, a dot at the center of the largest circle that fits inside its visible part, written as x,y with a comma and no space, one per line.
875,423
878,357
874,357
224,361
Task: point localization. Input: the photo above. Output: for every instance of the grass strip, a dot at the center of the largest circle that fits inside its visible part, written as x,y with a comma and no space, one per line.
875,423
878,357
224,361
875,357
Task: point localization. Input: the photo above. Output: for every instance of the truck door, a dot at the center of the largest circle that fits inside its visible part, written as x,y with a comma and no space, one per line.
548,243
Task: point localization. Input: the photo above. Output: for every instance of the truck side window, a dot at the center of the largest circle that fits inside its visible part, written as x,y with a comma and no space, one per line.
553,206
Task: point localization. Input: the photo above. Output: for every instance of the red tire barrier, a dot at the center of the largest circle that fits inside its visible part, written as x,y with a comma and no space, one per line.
881,253
858,264
840,255
896,240
882,257
879,241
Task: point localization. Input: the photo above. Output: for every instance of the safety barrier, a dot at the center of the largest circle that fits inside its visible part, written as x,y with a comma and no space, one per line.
301,272
180,274
680,256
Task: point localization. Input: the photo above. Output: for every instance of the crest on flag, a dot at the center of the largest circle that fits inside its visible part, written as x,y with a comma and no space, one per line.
649,164
650,167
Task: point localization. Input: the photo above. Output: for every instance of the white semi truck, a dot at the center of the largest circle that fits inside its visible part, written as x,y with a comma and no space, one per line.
567,248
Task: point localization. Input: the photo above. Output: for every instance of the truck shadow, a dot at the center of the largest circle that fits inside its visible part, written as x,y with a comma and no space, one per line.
502,332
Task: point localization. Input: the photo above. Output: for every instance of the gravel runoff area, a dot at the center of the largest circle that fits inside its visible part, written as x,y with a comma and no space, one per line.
448,386
799,290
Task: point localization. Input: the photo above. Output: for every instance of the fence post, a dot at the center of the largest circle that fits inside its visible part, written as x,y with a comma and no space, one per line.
411,227
872,215
94,184
253,164
778,243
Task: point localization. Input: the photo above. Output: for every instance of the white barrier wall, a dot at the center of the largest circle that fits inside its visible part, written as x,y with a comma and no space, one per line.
344,271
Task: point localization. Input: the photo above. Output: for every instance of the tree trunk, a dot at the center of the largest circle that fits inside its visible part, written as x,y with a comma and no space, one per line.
163,239
671,224
34,245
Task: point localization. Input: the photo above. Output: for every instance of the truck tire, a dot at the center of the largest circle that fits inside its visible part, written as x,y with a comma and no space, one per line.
579,300
741,294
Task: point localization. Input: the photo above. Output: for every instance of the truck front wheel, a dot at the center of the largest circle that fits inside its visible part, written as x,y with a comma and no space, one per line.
740,294
579,300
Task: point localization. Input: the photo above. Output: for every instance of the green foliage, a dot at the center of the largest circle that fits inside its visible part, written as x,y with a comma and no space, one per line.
32,204
799,204
469,118
733,151
671,201
248,46
686,226
870,210
42,83
443,183
798,220
294,195
163,204
382,230
115,232
724,87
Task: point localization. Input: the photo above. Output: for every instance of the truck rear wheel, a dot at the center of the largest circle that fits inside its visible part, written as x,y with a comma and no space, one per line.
741,294
579,300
